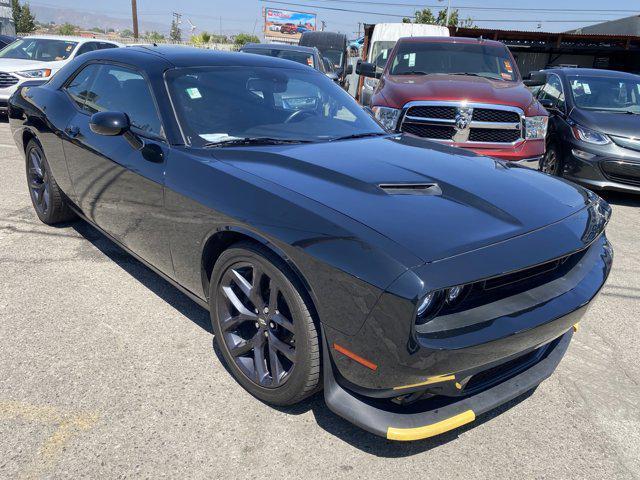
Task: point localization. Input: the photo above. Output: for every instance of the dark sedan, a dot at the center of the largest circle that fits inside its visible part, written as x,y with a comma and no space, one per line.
593,136
420,285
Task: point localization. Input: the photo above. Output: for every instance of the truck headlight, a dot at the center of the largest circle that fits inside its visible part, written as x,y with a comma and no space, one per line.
536,127
589,136
40,73
388,117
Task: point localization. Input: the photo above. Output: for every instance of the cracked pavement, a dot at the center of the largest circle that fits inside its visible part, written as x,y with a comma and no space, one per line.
107,371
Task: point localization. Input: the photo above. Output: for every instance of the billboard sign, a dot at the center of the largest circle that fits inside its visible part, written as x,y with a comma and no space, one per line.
287,24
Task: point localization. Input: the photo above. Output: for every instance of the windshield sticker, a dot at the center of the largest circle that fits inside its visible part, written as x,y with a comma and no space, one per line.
193,93
506,76
507,66
310,61
69,48
586,88
217,137
412,59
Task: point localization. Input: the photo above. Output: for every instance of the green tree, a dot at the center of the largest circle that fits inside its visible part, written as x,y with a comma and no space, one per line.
201,39
426,16
126,33
23,19
67,29
244,38
97,30
219,38
175,34
154,37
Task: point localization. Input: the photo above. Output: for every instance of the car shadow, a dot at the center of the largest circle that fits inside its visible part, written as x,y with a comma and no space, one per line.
327,420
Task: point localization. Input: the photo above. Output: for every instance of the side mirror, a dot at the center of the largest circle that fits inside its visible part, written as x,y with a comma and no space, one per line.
113,124
333,76
367,69
348,70
109,123
535,79
548,103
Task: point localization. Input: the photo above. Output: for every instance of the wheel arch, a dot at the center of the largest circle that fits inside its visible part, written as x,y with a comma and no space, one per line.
223,238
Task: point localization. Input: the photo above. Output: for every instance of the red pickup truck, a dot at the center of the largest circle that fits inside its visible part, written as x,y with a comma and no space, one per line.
465,92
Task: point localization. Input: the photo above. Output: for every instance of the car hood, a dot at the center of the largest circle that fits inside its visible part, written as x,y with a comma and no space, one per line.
17,65
476,201
618,124
398,90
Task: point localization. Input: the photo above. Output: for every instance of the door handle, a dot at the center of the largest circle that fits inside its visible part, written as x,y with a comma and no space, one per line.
72,130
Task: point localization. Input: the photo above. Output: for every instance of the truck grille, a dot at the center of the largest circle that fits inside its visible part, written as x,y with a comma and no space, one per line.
463,123
7,80
623,172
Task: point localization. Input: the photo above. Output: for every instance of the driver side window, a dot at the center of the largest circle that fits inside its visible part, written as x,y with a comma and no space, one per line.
553,91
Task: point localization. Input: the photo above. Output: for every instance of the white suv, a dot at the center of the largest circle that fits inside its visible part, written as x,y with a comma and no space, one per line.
39,57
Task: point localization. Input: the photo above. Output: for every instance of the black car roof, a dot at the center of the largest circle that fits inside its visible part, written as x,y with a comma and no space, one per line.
180,56
592,72
280,46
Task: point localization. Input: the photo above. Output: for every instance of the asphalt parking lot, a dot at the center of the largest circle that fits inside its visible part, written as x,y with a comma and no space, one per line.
107,371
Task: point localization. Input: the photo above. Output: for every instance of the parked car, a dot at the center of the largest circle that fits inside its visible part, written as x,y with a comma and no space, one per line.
301,29
309,56
332,46
39,57
379,41
6,40
406,275
464,92
594,122
289,28
274,28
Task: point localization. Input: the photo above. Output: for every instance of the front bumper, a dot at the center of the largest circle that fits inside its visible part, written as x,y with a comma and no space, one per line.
614,169
428,418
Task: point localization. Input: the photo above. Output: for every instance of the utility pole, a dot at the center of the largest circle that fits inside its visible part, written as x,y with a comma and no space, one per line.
324,24
134,15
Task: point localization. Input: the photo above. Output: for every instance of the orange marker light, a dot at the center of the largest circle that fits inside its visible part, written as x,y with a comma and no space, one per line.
356,357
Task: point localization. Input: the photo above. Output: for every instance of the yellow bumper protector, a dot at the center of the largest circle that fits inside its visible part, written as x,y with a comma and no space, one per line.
428,381
418,433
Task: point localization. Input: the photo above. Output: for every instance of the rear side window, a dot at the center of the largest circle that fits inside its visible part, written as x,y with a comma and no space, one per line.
120,89
87,47
78,88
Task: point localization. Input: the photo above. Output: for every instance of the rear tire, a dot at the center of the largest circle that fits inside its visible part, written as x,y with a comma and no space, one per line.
262,325
48,200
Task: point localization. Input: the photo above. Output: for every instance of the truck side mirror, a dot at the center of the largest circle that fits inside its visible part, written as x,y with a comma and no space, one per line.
548,104
349,70
535,79
367,69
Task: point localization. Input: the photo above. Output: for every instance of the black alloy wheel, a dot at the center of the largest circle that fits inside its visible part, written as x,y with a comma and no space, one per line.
263,326
551,163
48,200
39,181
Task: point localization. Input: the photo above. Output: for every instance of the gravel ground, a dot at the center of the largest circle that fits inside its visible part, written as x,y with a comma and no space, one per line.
106,371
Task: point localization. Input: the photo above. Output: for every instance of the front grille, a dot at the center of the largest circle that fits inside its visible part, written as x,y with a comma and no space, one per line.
7,80
490,115
622,172
433,112
462,123
493,135
429,131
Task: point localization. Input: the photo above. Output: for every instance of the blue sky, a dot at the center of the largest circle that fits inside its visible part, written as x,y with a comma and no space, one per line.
246,15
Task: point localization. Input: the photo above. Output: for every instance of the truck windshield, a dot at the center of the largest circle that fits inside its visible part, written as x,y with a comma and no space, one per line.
608,94
228,105
428,58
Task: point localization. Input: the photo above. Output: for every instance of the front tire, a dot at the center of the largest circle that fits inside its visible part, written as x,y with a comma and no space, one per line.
48,200
262,325
552,161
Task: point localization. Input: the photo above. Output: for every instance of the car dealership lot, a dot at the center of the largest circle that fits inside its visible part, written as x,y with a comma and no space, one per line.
108,371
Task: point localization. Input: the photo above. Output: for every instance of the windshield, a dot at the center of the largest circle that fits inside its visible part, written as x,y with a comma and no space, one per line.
298,57
606,93
43,50
219,104
335,57
380,52
425,58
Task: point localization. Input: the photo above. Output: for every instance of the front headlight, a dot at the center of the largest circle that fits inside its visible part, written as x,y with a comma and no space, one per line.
536,127
434,302
388,117
40,73
589,136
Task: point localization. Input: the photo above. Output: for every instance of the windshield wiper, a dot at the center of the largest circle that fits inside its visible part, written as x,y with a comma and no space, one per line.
415,72
253,141
359,135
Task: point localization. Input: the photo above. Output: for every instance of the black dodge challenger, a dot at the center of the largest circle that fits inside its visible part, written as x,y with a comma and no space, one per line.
420,285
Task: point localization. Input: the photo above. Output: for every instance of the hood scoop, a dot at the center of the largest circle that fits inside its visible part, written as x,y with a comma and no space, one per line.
431,189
